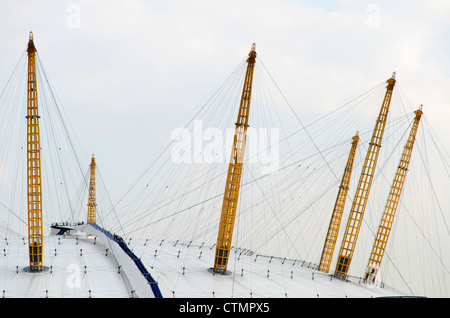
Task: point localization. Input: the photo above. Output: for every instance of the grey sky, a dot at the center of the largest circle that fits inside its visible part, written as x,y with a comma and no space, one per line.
115,63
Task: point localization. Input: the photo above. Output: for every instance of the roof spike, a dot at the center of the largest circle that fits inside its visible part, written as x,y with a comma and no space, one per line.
362,192
333,228
386,224
92,199
232,187
34,194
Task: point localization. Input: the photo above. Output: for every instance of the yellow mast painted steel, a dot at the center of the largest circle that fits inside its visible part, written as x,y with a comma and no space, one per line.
333,228
387,219
92,204
362,192
233,181
34,193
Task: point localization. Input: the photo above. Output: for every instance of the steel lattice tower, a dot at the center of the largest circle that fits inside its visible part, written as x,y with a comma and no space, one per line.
231,194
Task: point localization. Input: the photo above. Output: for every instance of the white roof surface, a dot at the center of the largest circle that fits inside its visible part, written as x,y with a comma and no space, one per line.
76,268
79,267
183,271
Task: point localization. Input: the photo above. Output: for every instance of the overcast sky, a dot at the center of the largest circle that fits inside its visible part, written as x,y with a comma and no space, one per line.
129,69
126,72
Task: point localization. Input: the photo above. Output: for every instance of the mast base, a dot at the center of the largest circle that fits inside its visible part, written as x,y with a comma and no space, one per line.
30,269
215,272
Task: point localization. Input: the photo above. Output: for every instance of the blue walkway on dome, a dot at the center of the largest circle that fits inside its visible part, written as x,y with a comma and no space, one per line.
136,260
66,227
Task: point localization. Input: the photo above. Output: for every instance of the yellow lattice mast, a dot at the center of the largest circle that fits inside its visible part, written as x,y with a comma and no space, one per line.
387,219
362,192
92,204
34,193
333,228
231,194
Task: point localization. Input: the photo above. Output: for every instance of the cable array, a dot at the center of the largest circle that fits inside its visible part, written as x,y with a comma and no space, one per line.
295,158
